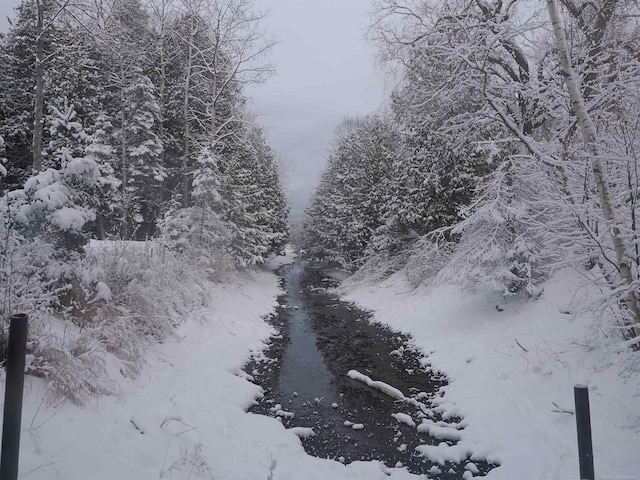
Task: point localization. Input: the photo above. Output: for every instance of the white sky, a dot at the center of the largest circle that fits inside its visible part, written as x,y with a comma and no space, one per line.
325,72
6,10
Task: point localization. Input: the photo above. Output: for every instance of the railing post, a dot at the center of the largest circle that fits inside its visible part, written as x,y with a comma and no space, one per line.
583,423
14,387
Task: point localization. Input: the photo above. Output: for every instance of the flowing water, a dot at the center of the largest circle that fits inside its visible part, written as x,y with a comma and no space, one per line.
304,376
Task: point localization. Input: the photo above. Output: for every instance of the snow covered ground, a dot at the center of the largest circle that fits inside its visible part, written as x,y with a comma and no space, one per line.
184,417
510,368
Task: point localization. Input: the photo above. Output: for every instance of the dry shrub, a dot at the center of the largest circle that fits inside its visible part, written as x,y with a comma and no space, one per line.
72,361
127,296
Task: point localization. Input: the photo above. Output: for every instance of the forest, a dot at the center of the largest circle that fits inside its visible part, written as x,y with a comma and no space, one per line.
508,151
126,120
470,256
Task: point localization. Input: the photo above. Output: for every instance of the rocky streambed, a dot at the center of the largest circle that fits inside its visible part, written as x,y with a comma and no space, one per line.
353,389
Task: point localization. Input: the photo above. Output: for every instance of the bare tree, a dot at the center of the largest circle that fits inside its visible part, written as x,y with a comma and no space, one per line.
589,134
163,15
228,48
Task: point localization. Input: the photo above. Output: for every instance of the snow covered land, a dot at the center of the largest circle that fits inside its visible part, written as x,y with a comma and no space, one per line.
511,375
512,367
184,416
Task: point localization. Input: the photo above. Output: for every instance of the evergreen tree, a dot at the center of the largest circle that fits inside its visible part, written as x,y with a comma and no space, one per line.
69,76
68,139
143,173
253,200
349,204
17,62
200,230
131,104
100,149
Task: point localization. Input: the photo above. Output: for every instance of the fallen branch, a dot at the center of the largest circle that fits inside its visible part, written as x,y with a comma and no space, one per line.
136,424
380,386
518,343
559,409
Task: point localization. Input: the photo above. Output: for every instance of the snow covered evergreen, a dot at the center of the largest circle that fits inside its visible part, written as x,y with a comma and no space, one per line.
124,121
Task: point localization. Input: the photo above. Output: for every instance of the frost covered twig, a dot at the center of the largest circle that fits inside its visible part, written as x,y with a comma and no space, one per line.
166,421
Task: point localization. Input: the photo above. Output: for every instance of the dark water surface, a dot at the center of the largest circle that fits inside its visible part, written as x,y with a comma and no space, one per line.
306,385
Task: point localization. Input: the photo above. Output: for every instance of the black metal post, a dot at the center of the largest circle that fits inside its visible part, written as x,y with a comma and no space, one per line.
583,422
13,397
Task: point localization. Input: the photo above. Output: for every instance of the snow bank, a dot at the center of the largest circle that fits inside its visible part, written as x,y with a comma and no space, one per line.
286,259
510,368
442,453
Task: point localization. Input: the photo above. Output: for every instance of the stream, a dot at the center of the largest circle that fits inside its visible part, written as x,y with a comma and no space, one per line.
304,377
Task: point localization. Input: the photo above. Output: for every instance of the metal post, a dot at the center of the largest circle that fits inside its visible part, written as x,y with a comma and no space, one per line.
14,387
583,422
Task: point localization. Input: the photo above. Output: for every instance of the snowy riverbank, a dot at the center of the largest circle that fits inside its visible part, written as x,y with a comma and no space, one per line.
184,416
510,368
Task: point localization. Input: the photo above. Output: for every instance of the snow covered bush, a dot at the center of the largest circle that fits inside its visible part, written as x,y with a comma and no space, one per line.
419,261
47,218
72,360
138,293
502,243
43,274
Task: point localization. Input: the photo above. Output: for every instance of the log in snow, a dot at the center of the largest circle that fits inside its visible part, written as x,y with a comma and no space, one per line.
381,386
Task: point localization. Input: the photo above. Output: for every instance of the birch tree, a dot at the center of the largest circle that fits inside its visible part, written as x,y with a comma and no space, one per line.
629,286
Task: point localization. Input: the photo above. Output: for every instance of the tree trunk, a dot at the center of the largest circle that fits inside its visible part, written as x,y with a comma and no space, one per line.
587,127
38,115
187,141
214,117
163,83
123,156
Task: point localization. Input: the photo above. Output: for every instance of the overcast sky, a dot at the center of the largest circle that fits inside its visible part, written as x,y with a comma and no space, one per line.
325,72
6,10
